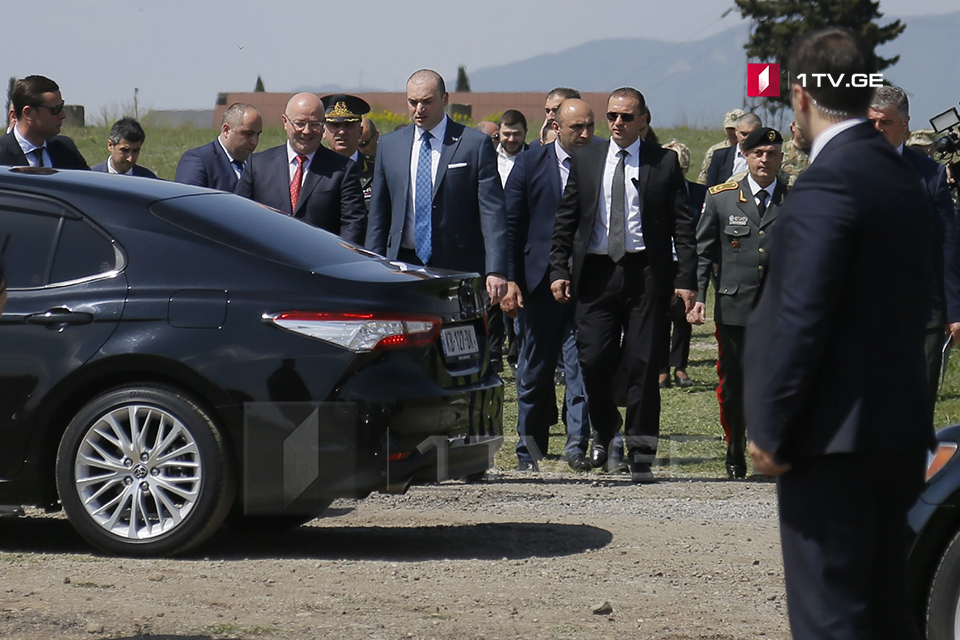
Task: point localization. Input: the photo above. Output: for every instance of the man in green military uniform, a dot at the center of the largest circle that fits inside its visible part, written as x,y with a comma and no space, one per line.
342,132
733,235
730,128
796,154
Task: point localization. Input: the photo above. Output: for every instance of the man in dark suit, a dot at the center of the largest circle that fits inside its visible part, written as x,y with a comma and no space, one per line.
624,209
532,194
836,392
437,198
218,164
306,180
34,140
734,236
124,144
890,114
342,131
727,162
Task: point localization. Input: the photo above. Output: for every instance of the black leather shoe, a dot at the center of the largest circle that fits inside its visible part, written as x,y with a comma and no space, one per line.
616,464
598,456
665,383
736,471
684,382
640,473
579,462
528,465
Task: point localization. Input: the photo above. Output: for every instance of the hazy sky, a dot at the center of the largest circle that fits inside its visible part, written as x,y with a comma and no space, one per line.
180,53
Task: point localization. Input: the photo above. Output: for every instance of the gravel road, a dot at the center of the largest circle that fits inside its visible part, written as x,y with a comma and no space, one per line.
551,555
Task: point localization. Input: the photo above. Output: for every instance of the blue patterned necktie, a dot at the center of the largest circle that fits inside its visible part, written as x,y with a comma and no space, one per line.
422,222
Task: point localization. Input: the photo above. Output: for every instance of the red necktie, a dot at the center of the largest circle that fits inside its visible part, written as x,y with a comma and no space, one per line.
295,184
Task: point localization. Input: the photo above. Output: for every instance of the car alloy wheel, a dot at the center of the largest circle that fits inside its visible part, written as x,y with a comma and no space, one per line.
143,471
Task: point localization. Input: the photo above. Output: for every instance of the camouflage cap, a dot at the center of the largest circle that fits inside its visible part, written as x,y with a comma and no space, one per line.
730,120
921,138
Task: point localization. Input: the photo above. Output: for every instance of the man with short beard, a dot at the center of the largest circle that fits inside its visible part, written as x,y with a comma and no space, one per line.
219,164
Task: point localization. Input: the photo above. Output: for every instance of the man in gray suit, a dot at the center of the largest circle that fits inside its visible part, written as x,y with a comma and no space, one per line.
734,233
437,198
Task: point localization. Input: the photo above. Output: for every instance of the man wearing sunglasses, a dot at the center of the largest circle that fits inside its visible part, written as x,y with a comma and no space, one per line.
624,208
35,140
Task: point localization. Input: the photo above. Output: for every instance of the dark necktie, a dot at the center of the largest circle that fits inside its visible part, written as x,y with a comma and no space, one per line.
295,184
423,221
762,203
617,239
238,164
38,154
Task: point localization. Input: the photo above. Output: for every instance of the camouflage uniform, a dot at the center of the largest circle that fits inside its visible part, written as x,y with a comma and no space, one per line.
795,160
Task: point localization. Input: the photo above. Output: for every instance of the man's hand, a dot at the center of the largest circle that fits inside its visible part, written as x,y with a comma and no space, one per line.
560,290
512,301
699,313
953,329
765,463
688,297
496,288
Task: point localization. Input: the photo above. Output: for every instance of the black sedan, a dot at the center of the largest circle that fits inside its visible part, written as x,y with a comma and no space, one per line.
173,357
934,563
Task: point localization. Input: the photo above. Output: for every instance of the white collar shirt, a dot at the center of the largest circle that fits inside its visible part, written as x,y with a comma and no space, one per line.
563,163
439,132
755,188
28,149
112,169
633,227
230,158
292,163
739,161
504,164
830,133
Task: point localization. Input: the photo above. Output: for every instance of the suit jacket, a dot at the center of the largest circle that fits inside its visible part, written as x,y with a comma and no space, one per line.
469,220
721,166
664,216
330,195
63,153
138,171
834,359
697,194
207,166
532,195
933,176
732,235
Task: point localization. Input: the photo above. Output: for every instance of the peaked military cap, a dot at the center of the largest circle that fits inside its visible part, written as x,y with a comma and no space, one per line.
763,135
340,107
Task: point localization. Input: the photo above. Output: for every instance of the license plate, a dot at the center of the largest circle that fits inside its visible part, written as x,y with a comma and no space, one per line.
459,343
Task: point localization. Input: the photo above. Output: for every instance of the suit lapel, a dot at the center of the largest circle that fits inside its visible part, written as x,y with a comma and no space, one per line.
747,204
553,170
775,203
311,177
450,143
591,176
645,165
13,151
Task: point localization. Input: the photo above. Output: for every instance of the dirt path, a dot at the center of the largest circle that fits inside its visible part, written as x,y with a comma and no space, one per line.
518,556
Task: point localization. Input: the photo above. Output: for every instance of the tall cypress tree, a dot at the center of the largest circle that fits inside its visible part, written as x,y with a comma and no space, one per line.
776,24
463,82
259,86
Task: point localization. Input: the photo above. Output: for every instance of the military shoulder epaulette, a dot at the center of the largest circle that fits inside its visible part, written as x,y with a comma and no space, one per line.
726,186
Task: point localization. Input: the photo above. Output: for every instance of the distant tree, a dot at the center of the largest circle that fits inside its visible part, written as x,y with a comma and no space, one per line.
259,88
6,113
776,24
463,82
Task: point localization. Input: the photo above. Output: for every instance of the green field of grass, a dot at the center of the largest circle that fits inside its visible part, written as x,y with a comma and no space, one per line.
691,437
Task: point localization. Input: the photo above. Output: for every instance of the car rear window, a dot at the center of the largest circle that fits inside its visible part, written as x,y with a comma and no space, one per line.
245,225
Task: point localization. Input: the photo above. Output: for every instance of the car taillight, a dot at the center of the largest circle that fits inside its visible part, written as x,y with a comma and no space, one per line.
361,331
939,458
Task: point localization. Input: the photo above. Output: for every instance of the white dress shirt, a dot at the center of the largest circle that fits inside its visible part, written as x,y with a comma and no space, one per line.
292,163
634,228
830,133
112,169
439,132
230,158
28,149
739,162
504,164
563,163
755,188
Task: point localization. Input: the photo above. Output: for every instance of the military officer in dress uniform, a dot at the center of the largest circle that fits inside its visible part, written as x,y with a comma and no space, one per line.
342,132
734,234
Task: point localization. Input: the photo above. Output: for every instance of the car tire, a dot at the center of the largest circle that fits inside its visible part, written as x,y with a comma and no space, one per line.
943,604
144,471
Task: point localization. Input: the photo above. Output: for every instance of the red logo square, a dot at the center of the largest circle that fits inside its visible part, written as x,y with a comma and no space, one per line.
763,80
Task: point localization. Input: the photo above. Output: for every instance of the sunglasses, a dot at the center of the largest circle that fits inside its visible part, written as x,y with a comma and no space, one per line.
626,117
54,110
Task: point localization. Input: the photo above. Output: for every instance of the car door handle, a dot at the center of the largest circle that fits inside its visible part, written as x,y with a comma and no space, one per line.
60,317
